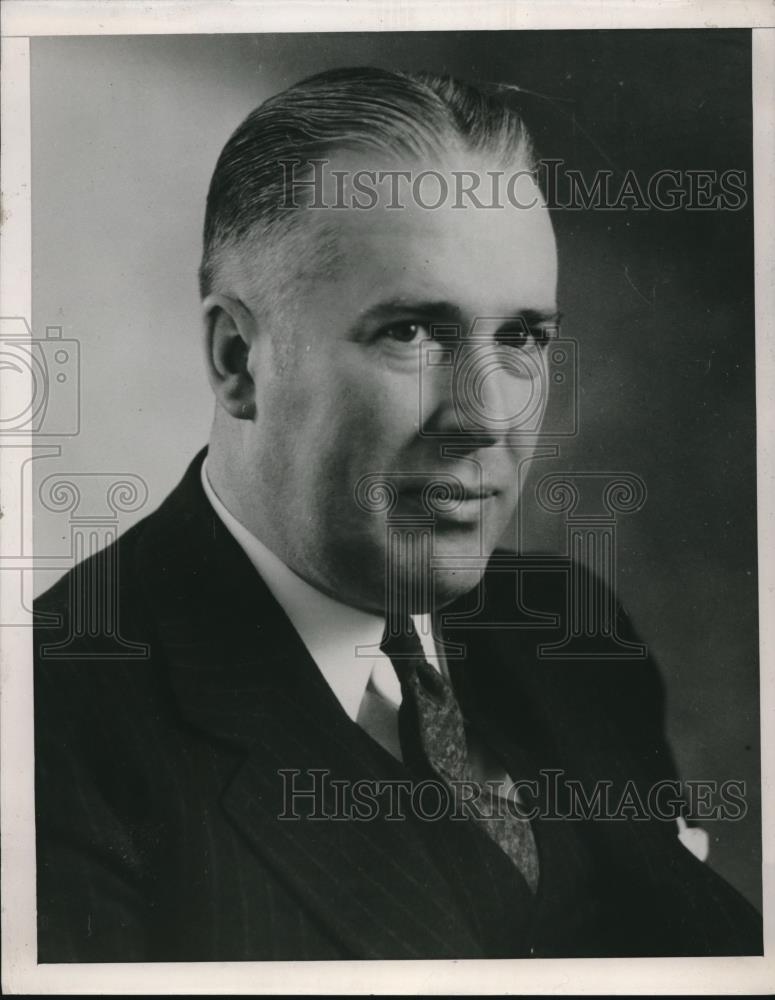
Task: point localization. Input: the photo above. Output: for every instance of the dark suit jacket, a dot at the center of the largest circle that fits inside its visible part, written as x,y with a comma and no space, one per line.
158,791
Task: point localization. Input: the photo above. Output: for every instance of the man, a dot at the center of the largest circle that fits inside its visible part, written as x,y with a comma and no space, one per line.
329,635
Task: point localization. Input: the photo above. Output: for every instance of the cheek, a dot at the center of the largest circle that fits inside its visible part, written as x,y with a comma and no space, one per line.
370,409
339,416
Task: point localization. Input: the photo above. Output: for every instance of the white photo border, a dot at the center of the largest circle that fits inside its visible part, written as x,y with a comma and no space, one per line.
23,19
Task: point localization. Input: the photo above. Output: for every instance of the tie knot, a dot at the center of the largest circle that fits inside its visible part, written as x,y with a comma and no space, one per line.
403,647
400,642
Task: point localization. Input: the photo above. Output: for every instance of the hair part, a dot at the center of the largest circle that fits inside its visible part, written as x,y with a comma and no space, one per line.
417,116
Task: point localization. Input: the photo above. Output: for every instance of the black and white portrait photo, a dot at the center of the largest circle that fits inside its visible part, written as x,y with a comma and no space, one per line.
381,571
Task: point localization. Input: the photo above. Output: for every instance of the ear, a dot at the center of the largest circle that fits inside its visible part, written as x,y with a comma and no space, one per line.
230,330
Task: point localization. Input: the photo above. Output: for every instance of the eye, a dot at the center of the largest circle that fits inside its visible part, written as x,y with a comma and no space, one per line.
520,336
407,332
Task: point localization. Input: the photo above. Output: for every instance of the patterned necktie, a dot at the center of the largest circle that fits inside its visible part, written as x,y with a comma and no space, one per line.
432,735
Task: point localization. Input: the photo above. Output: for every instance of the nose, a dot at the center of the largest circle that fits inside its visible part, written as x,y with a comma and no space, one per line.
491,391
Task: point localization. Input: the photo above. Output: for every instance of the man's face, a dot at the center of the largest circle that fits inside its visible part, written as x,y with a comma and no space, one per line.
347,396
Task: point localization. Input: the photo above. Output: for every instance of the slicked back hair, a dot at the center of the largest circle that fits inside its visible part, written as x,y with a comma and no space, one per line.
420,116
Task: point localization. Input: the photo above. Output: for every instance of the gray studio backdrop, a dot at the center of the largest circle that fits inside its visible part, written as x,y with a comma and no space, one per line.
125,133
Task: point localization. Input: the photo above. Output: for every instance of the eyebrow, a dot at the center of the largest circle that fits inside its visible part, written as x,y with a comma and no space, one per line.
540,317
448,312
440,310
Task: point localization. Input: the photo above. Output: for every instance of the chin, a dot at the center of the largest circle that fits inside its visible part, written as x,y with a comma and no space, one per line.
454,584
411,584
418,594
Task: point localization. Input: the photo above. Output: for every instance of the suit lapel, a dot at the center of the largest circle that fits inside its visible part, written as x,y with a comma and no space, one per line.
370,881
241,674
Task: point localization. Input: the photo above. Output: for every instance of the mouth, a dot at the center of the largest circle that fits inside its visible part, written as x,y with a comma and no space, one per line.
466,506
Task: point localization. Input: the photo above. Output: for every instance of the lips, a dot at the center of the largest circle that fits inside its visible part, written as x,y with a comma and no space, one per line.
449,501
451,485
479,494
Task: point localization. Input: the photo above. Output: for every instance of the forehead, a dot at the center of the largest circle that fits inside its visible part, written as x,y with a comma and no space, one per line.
484,259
